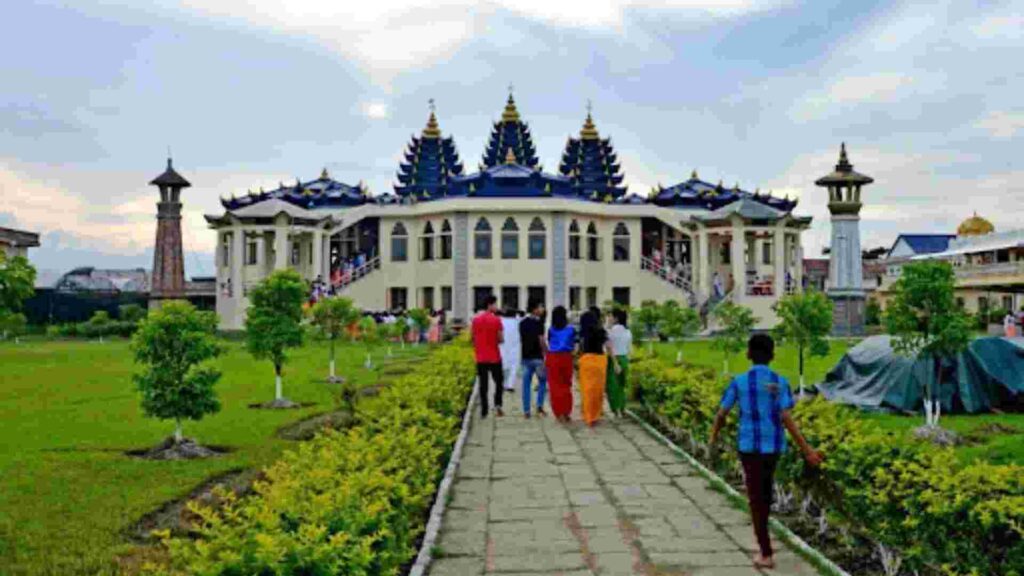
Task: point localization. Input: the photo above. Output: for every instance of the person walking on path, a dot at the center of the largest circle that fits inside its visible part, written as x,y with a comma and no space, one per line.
621,340
595,355
510,353
533,345
487,336
765,400
561,344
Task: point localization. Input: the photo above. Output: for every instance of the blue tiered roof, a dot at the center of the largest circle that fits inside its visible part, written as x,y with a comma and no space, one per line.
696,193
430,163
322,192
510,133
592,165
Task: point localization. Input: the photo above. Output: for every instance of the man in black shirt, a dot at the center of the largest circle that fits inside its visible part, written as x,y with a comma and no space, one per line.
533,346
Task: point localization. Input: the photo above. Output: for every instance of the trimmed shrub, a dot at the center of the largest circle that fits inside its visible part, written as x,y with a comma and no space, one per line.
940,515
348,502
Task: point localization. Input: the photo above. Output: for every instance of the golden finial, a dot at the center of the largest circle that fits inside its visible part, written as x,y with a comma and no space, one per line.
324,175
589,131
693,175
432,130
511,113
510,157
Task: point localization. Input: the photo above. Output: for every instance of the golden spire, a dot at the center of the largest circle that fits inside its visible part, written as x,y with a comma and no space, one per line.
323,174
432,130
693,175
511,113
510,157
589,131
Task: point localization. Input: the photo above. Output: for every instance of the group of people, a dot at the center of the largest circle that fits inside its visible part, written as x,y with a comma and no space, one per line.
514,342
762,396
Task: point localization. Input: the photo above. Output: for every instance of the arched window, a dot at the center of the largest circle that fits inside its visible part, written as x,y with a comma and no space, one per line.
537,240
427,242
620,243
593,243
399,243
446,241
574,240
509,240
482,239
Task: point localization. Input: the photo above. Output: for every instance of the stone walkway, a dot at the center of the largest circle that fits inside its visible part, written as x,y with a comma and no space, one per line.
536,497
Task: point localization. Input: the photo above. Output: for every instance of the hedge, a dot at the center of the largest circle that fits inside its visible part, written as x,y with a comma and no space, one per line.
347,502
917,503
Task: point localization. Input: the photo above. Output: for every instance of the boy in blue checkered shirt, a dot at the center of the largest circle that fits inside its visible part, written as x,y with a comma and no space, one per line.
765,400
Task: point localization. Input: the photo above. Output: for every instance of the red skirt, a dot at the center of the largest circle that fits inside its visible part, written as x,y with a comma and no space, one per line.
559,366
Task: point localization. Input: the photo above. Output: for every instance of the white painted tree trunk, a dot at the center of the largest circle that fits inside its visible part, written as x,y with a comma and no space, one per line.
928,412
679,356
801,386
332,367
369,362
725,367
177,432
277,387
936,412
390,354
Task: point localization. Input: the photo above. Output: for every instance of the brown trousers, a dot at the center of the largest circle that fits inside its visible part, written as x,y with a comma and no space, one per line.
759,473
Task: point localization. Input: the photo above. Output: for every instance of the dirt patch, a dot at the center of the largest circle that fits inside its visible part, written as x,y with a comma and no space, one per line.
187,449
175,515
985,432
281,404
306,428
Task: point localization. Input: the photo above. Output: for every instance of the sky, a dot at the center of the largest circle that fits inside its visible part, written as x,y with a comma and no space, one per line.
248,93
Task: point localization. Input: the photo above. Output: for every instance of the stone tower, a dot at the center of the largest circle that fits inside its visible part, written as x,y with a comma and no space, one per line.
168,278
845,272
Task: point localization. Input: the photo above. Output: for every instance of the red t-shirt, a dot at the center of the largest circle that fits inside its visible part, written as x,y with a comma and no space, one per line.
486,327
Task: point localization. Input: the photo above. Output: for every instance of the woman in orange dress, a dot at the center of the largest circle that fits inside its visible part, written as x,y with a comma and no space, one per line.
594,365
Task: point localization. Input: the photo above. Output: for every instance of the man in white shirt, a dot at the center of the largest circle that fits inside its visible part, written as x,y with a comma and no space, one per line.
510,348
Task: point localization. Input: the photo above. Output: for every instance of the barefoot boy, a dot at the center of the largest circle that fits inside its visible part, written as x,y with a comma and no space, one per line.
765,400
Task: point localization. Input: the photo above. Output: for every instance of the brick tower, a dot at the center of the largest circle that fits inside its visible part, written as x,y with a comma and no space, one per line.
168,279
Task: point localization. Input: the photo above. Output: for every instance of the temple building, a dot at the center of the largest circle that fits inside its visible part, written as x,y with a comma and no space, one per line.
446,238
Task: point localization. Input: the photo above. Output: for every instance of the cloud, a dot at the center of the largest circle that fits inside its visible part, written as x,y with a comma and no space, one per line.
1005,26
375,110
873,88
392,36
1001,125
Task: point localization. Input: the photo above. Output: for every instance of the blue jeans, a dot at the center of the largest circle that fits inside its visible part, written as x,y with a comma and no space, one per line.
531,367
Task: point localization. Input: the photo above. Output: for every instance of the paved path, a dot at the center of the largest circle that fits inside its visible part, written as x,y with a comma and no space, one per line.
536,497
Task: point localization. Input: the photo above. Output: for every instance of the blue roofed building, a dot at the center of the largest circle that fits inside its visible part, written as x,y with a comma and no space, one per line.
445,238
907,245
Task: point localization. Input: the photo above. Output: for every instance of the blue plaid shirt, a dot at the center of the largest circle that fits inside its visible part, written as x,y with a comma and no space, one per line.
762,395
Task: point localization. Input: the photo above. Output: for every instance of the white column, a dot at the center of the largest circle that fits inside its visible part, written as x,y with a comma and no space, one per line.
702,262
779,245
261,251
318,254
281,248
325,270
739,264
798,265
237,261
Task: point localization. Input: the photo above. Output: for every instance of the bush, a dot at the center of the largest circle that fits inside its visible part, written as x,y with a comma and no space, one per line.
942,516
347,502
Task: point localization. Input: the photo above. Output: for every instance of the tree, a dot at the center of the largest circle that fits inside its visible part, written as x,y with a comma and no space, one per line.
805,321
273,323
924,319
736,322
174,346
645,323
368,335
132,313
333,316
12,326
421,320
873,313
98,325
17,284
677,323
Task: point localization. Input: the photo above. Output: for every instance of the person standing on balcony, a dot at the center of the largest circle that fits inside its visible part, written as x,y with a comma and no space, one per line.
486,332
765,400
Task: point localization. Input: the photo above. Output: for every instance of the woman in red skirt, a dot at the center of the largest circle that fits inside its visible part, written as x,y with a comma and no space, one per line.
561,344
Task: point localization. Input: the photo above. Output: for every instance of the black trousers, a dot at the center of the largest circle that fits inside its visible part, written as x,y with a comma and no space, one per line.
759,473
483,369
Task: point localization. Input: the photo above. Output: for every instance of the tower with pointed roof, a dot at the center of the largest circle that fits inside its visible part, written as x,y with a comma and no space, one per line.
167,281
845,275
510,133
430,162
591,164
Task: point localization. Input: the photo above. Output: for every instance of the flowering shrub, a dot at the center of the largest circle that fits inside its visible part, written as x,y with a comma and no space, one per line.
347,502
939,515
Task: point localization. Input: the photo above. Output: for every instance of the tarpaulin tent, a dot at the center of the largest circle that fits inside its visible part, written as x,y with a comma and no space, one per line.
989,374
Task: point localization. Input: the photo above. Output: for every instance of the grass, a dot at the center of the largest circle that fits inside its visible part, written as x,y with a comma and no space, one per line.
984,441
69,494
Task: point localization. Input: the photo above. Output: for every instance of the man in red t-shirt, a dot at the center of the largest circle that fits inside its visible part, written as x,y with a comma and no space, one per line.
487,335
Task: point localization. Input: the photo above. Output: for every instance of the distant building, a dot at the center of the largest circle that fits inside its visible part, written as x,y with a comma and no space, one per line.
107,281
17,242
907,245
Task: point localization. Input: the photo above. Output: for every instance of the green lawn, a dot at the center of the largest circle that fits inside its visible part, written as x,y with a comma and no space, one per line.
68,493
983,442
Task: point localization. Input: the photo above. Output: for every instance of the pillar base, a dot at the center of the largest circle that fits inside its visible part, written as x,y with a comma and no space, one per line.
848,314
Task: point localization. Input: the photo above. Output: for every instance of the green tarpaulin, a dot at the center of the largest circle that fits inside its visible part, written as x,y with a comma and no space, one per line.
989,374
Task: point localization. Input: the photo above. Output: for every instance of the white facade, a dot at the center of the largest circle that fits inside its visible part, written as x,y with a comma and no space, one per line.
567,251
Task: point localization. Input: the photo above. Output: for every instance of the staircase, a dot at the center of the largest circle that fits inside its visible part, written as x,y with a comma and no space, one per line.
356,274
682,281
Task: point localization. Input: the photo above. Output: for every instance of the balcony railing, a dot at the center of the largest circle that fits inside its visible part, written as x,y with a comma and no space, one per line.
678,277
967,271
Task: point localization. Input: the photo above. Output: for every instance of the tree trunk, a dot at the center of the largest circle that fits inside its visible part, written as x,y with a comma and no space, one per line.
332,358
177,432
369,362
725,366
277,383
650,346
935,396
801,353
679,356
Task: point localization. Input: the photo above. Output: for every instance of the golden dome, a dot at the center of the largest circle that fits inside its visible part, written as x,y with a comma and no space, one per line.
975,226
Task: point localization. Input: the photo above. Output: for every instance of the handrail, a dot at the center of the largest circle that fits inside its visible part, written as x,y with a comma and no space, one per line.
357,273
681,280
